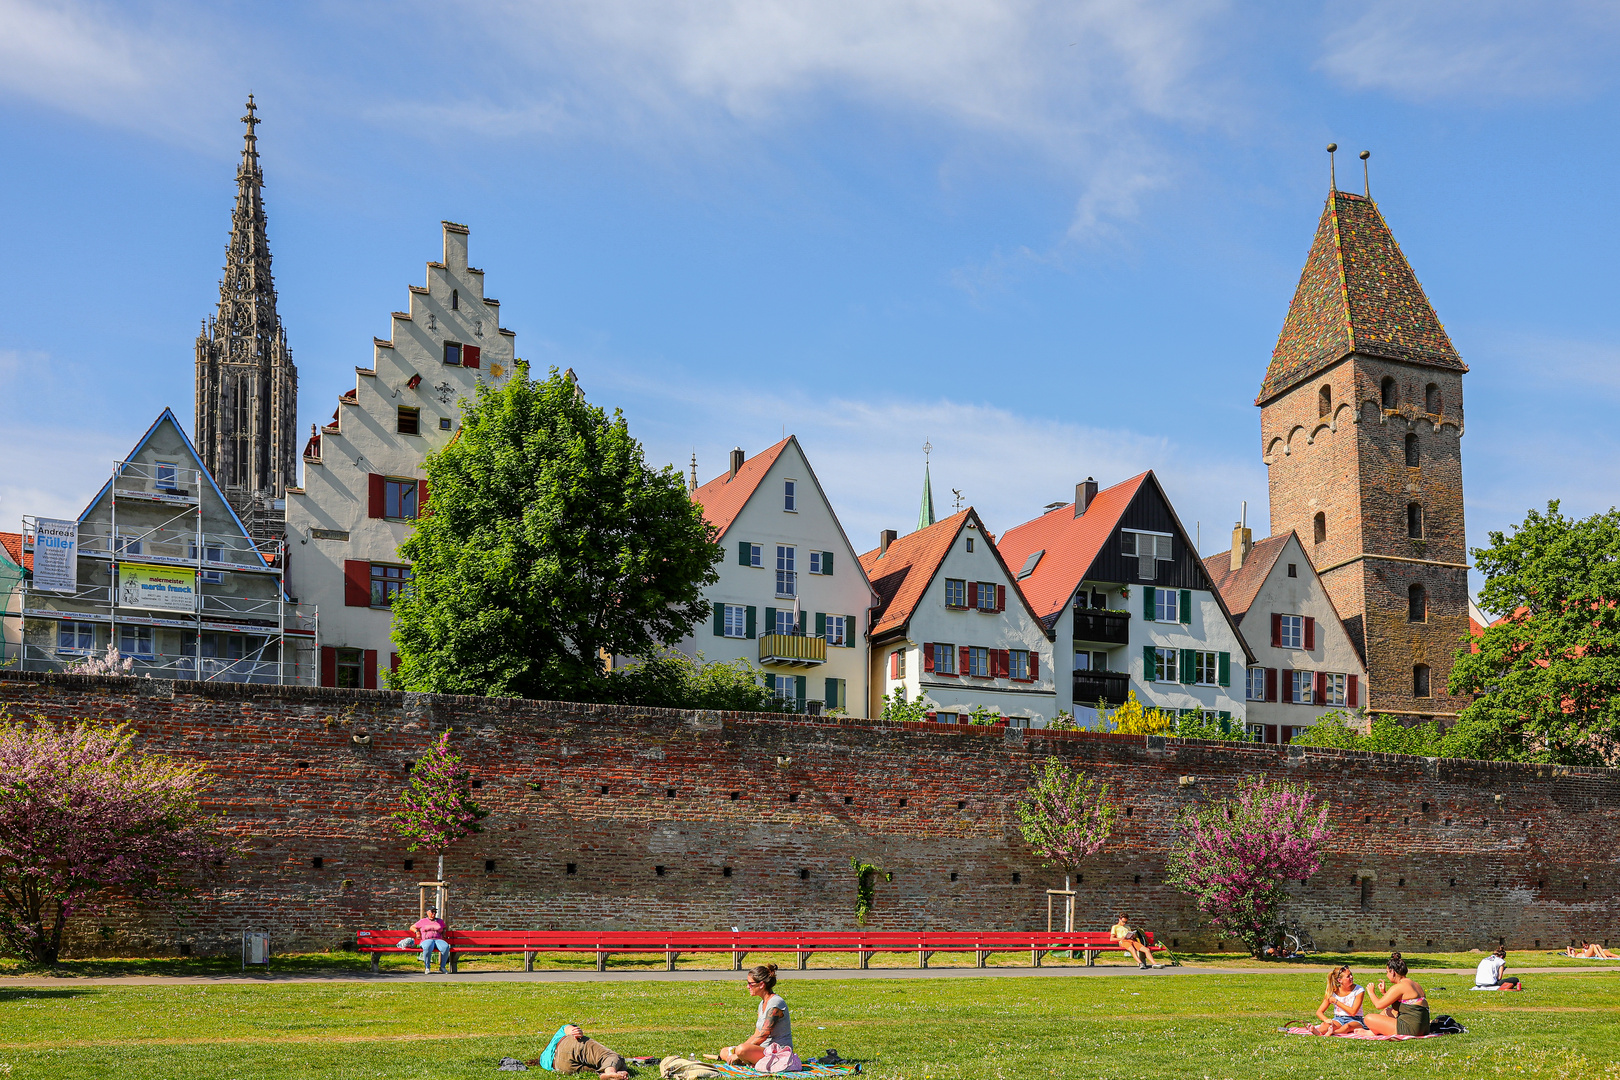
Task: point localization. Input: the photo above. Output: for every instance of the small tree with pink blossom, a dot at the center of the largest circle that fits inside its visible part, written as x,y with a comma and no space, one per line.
1235,856
1066,816
437,807
85,819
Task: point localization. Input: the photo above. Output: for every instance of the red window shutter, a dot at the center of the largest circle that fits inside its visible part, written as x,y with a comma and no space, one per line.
1034,665
1003,667
928,656
1350,694
1310,633
1271,684
421,498
371,669
328,666
1001,598
470,355
393,662
894,665
962,660
1287,680
1321,688
356,583
973,594
377,504
1276,630
1271,733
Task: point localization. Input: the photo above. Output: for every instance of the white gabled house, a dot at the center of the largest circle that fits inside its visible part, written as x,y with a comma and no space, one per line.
1118,582
953,627
791,595
1305,663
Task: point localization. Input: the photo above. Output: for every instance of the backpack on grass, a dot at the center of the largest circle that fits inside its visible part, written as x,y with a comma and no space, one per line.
1446,1025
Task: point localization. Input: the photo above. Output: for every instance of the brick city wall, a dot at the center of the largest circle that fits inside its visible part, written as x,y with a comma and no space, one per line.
588,802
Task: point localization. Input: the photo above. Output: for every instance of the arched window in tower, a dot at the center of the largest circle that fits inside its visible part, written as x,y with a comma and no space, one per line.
1414,520
1411,450
1386,392
1324,401
1420,680
1319,527
1417,603
1431,398
455,299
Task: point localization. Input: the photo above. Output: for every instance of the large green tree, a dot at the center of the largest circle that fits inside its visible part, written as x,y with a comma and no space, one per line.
1548,675
546,540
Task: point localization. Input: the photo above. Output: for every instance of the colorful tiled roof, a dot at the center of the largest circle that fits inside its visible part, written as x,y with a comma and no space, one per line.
13,545
724,497
1239,587
1357,293
1071,545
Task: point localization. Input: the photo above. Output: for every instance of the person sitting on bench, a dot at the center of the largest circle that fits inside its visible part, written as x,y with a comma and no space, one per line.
1489,974
570,1051
430,931
1131,941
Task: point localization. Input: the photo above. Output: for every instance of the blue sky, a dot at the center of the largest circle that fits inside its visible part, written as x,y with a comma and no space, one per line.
1053,240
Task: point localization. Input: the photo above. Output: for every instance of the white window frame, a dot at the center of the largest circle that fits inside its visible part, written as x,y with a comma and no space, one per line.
790,496
787,577
1160,665
142,635
1337,686
735,618
83,635
167,474
792,624
1304,684
951,585
1018,664
1255,684
1159,605
788,681
1206,663
756,555
1291,632
837,632
815,562
1147,561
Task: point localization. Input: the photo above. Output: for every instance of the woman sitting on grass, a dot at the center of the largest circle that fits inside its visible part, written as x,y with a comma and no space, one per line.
1405,1006
1591,950
1345,996
773,1028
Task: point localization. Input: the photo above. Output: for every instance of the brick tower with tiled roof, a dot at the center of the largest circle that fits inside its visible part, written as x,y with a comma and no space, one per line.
1361,421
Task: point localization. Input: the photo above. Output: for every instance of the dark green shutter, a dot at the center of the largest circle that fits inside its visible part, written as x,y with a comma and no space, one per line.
1226,669
798,690
1186,606
745,552
1150,664
1226,717
719,620
821,624
832,694
1189,666
750,620
770,620
1147,602
826,563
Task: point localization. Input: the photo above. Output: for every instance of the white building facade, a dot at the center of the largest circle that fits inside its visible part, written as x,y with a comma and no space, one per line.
1304,661
954,630
791,596
364,483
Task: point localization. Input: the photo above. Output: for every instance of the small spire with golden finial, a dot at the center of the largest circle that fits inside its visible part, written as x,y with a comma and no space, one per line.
1366,182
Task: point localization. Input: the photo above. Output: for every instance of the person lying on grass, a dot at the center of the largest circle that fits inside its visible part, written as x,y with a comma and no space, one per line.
1405,1006
1345,997
1590,950
570,1051
773,1028
1131,941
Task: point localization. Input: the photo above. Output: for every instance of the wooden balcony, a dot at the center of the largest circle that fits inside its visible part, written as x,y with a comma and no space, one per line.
1090,687
792,650
1106,627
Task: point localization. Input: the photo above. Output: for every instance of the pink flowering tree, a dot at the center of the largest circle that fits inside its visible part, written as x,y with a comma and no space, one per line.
1066,816
85,819
1236,856
436,808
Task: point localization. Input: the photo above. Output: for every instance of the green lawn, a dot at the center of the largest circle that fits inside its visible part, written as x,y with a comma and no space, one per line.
1182,1025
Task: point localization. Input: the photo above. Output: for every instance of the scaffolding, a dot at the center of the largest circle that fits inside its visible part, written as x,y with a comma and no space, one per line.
241,626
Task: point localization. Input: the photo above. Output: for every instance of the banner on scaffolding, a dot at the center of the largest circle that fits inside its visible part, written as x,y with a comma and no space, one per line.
56,555
157,588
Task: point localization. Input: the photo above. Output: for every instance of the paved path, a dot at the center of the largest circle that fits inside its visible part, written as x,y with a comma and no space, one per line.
718,975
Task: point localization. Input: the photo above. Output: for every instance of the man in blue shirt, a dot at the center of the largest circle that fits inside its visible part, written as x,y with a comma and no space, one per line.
570,1051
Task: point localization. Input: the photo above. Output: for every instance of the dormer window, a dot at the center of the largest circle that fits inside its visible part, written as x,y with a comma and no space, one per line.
790,496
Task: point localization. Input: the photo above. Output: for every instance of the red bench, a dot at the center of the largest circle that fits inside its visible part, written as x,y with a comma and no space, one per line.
805,944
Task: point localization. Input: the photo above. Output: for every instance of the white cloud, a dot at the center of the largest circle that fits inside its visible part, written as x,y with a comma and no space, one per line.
1492,49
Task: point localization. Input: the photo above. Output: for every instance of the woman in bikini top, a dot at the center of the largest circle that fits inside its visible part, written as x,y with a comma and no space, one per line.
1405,1006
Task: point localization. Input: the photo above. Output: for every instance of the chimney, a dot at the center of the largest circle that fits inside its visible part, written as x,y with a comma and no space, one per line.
1083,494
1242,542
736,463
885,538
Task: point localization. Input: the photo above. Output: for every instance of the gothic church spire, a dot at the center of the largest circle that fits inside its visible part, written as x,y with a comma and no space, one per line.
247,386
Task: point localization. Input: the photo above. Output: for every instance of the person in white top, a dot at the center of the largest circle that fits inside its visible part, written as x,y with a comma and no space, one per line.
1345,997
1489,975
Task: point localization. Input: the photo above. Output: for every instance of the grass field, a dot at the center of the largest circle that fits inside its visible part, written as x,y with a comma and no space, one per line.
1153,1025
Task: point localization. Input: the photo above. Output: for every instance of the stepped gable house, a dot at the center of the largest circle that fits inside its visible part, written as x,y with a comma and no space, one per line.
246,384
1361,424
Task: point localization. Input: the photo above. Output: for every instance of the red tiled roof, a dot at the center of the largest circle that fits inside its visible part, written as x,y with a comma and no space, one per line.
901,575
1071,545
1357,293
1239,587
724,497
12,542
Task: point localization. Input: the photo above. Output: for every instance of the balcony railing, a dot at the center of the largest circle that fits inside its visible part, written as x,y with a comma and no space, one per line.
1108,627
794,650
1090,687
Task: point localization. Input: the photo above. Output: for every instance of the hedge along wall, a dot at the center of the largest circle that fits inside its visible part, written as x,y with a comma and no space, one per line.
608,817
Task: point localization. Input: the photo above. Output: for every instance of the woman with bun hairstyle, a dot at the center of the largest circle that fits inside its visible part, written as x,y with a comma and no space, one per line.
1405,1006
773,1030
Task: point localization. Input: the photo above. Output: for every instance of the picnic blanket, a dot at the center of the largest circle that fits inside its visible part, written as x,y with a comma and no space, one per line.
811,1068
1363,1033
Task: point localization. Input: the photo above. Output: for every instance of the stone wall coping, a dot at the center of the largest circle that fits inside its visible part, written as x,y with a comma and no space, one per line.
396,699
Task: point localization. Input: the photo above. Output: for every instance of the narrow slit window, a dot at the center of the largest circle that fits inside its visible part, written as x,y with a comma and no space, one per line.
1414,520
1412,459
1417,603
1386,392
1324,401
1319,527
